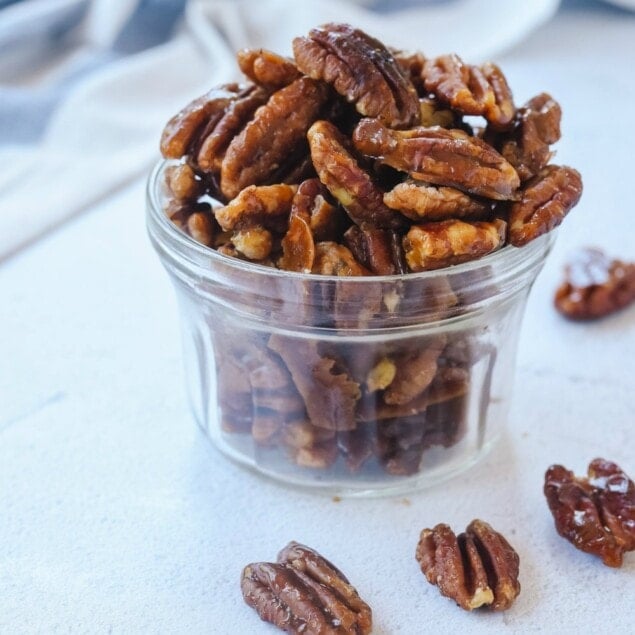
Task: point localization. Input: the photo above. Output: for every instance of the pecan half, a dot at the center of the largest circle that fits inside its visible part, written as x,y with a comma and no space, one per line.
266,205
436,245
536,127
415,372
183,182
476,568
305,593
440,156
378,249
214,139
595,285
352,186
183,128
361,69
267,68
275,135
471,90
420,201
329,394
545,201
595,514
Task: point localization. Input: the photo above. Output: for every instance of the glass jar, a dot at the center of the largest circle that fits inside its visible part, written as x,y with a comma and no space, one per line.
355,385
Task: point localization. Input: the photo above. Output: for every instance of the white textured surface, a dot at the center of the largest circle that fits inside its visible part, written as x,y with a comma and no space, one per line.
117,516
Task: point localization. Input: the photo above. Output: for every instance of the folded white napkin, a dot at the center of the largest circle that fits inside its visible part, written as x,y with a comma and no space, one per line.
106,132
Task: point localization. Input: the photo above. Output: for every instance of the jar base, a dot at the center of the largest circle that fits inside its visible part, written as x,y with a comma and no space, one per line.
327,485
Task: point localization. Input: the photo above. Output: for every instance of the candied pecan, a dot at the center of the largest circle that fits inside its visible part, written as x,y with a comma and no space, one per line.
183,182
439,156
471,90
595,286
412,65
317,457
545,200
305,593
356,446
200,226
276,133
266,205
361,69
215,138
183,128
477,568
329,394
596,514
420,201
346,180
326,220
255,243
526,146
415,372
378,249
434,114
266,68
332,259
300,433
310,214
399,444
298,246
436,245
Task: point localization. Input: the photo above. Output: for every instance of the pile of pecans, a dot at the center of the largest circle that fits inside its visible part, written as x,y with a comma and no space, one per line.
354,160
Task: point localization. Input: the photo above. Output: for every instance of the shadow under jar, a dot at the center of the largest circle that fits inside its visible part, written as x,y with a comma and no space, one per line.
355,385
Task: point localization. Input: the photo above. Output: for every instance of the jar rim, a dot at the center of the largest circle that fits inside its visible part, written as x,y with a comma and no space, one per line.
166,234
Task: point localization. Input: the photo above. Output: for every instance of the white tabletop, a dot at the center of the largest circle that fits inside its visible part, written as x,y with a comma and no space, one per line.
116,515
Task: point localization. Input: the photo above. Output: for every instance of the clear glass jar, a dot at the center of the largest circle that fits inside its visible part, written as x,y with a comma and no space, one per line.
356,385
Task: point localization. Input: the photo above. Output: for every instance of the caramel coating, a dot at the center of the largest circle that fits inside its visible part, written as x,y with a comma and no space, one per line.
436,245
276,134
420,201
545,201
266,68
440,156
361,69
595,286
471,90
476,568
352,186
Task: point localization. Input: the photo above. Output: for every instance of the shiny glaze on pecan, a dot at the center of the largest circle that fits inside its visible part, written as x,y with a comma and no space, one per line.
440,156
595,285
352,186
436,245
361,69
595,514
304,593
471,90
273,138
476,568
545,200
